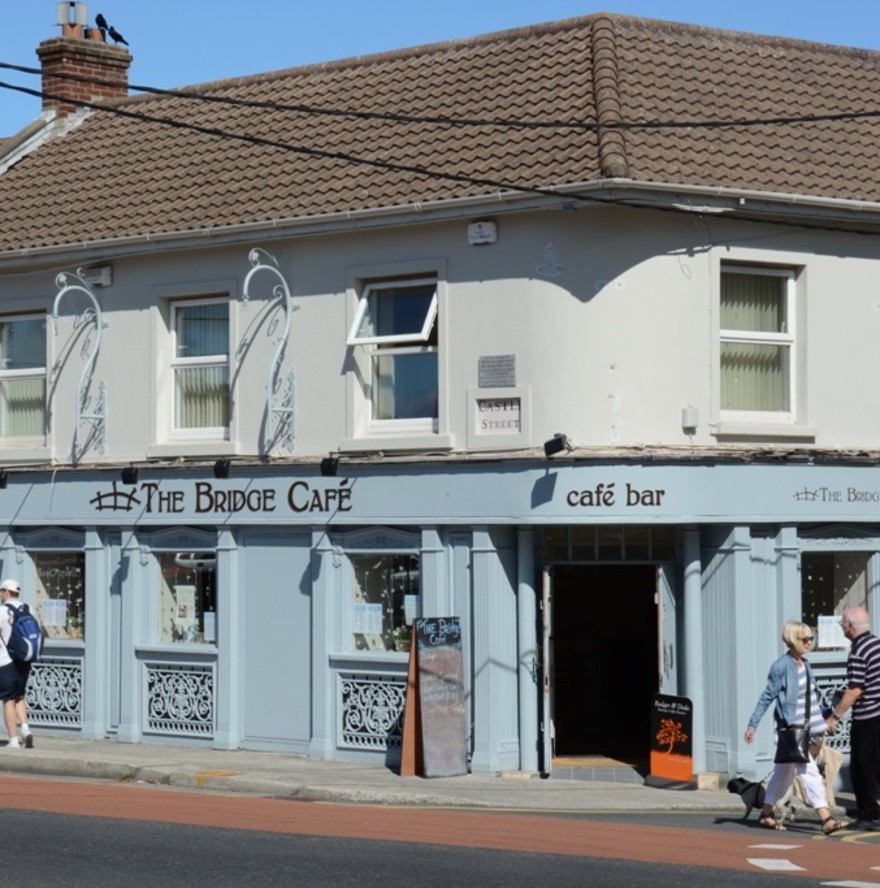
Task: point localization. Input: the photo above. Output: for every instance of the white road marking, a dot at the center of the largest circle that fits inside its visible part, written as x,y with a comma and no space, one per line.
774,847
777,864
853,884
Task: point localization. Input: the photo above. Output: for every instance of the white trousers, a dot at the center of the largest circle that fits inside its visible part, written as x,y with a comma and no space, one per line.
782,778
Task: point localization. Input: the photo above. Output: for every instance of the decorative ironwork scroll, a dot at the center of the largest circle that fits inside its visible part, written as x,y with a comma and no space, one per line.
180,700
371,711
281,394
92,415
54,693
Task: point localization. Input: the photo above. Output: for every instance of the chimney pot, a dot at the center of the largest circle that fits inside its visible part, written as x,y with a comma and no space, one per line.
72,14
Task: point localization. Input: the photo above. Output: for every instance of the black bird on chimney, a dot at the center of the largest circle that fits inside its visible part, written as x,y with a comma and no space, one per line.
101,22
116,35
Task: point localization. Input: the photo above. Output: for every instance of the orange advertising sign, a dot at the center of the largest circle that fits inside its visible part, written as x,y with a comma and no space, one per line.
671,730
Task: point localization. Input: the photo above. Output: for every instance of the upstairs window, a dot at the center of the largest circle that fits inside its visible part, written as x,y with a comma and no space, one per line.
201,366
23,377
757,344
396,323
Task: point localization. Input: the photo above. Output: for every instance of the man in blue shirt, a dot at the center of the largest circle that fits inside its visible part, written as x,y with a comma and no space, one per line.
863,695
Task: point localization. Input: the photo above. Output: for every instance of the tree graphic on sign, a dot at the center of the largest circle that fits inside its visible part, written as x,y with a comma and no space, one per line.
669,734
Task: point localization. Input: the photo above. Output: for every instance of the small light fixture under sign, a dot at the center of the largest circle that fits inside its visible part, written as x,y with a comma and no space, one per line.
482,233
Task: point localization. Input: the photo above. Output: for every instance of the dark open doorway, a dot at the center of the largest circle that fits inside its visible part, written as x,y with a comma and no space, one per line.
604,660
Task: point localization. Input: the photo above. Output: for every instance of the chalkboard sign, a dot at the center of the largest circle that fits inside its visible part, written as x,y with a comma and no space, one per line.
441,696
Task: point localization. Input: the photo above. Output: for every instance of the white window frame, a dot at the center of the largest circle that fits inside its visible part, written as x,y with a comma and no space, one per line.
788,339
219,360
34,373
391,345
422,335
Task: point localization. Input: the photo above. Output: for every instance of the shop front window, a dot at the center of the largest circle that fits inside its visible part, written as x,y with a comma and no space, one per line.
385,600
187,597
60,593
831,582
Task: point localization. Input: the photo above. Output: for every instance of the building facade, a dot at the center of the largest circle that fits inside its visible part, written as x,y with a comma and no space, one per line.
620,425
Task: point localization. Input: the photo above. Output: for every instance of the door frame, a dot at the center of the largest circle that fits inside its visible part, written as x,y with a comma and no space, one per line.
667,647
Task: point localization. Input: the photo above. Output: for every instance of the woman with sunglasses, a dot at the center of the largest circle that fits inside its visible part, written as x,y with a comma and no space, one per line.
788,683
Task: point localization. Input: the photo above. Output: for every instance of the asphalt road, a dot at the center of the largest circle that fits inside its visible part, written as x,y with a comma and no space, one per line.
80,833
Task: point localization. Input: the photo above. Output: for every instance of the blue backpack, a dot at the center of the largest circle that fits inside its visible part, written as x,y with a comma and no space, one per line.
26,638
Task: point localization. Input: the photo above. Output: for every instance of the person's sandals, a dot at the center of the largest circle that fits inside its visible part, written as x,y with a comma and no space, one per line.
768,821
830,825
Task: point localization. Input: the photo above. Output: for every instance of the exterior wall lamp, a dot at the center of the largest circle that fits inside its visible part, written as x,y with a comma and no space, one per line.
4,479
556,444
329,466
221,468
130,475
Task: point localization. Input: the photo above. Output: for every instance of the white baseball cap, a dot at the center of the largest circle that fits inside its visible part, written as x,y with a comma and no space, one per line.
11,586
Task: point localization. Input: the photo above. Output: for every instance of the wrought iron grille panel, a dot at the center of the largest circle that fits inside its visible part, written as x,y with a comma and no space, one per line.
371,711
54,693
180,700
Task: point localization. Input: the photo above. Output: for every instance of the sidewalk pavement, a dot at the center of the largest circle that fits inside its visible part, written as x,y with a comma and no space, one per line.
283,775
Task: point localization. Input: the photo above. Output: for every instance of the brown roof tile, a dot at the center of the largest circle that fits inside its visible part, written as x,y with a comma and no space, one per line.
117,177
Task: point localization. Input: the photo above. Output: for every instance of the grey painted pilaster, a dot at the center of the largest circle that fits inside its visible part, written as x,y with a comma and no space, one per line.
96,659
230,642
434,588
325,573
693,636
496,730
527,653
134,614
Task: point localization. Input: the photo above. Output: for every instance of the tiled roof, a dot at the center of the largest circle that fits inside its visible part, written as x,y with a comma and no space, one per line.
116,176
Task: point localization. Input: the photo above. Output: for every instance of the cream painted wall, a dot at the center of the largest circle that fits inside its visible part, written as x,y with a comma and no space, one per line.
610,314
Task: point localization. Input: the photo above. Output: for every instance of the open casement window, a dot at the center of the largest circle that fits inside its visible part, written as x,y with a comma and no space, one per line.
396,323
22,377
757,344
201,366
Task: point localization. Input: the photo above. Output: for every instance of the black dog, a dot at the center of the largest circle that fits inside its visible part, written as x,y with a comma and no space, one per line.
751,793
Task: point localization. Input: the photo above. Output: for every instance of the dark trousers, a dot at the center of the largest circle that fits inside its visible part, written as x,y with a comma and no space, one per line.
864,765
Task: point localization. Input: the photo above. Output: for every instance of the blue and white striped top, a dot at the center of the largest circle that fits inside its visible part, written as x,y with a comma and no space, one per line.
817,722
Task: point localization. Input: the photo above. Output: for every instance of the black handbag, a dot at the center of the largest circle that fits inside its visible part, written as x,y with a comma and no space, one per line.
792,745
793,741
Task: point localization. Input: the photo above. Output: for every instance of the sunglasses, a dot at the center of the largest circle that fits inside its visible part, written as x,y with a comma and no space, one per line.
807,638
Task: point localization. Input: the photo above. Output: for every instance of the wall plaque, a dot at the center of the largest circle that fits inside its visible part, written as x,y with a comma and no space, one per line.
497,371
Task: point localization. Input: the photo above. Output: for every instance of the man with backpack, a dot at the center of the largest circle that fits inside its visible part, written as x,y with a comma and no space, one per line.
14,672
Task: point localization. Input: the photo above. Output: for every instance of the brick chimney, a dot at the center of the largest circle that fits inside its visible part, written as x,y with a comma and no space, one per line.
81,51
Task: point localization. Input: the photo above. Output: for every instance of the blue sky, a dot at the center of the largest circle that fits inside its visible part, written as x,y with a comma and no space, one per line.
183,42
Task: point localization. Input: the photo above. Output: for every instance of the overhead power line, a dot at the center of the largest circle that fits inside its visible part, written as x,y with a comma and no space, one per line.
449,120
